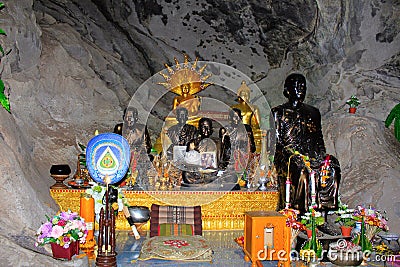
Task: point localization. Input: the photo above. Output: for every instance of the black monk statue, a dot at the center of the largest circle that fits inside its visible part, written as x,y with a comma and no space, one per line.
315,181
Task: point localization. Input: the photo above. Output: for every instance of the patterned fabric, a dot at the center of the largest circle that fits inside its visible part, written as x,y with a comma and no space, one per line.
189,248
175,215
174,229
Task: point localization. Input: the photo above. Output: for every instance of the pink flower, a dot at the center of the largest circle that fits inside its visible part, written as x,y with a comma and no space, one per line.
57,231
46,229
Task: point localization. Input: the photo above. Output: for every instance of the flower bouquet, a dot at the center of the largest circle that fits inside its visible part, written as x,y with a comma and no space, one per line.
98,192
63,232
63,229
291,221
373,219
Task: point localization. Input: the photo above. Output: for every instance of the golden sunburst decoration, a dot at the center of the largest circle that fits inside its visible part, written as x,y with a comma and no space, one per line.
185,73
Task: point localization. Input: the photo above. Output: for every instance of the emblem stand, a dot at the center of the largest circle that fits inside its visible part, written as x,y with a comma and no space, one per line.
106,255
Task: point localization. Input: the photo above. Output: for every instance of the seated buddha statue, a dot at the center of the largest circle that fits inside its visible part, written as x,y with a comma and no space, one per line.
250,113
186,81
186,100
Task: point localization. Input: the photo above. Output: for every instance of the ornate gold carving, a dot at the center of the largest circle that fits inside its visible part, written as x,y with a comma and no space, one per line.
226,212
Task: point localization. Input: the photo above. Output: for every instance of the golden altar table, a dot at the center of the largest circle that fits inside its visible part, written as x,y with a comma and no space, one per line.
225,212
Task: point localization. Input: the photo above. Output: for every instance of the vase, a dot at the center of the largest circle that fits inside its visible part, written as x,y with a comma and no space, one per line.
60,252
352,110
346,230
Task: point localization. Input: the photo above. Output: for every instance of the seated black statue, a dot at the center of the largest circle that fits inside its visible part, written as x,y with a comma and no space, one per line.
181,133
298,128
203,143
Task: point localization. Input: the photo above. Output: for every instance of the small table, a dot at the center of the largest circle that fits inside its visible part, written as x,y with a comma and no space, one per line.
266,237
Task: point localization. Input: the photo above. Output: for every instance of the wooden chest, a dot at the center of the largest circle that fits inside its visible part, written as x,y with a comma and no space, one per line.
266,237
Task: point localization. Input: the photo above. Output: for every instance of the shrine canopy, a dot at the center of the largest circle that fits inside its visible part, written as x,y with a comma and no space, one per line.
107,156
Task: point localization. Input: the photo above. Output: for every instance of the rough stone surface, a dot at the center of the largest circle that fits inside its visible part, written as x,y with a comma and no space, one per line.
72,67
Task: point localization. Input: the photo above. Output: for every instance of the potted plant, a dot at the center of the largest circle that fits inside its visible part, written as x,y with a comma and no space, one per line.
307,219
345,219
63,232
353,102
4,101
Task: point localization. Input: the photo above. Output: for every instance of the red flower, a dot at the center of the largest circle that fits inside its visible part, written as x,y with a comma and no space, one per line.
176,243
61,223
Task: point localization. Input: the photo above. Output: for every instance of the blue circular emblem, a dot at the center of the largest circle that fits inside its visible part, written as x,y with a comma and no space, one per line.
107,154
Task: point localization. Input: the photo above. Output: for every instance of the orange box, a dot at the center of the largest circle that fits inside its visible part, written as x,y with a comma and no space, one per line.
266,237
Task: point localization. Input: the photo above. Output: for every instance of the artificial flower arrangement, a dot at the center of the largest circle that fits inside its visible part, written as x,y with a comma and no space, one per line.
63,229
311,250
292,222
373,220
345,215
98,191
307,218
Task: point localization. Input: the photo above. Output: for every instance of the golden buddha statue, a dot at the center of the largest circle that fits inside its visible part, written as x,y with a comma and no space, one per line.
250,113
186,81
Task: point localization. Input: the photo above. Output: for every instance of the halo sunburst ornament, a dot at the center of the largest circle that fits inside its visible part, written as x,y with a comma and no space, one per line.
185,73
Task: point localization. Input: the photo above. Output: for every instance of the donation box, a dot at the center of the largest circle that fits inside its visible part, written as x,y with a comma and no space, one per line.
266,237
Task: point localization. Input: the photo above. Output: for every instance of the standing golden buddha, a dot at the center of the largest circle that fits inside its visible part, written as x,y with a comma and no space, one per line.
250,113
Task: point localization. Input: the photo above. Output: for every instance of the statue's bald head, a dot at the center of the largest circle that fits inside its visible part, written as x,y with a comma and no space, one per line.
295,87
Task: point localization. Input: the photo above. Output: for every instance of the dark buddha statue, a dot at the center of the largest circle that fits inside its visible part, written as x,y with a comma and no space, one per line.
203,143
135,133
236,136
298,128
181,133
139,141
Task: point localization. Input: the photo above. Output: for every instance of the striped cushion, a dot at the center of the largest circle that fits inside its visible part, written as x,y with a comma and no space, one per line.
175,215
170,229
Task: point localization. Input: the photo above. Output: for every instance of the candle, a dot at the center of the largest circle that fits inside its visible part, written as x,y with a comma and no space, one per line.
287,193
313,195
87,213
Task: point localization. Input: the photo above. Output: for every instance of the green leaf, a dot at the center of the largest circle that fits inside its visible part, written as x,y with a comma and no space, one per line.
2,5
3,98
3,32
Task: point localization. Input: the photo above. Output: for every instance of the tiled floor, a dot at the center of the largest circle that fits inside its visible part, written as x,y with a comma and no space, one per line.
225,252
